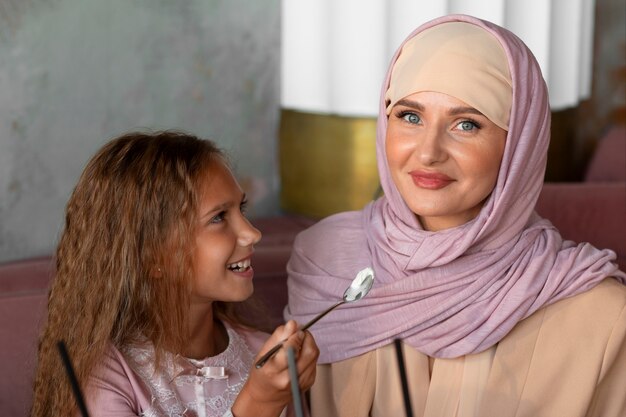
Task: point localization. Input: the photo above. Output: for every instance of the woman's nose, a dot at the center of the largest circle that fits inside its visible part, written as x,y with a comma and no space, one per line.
431,148
248,235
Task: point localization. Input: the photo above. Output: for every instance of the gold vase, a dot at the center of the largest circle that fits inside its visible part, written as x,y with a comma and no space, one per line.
327,163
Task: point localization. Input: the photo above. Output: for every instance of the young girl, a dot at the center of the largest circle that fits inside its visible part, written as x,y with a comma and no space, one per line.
153,259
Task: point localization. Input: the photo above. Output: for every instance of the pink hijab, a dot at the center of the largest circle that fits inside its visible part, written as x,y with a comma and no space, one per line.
457,291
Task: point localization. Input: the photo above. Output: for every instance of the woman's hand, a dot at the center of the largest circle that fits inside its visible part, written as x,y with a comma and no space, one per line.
267,391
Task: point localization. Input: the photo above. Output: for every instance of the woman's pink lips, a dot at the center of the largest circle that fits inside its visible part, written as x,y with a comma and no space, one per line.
430,180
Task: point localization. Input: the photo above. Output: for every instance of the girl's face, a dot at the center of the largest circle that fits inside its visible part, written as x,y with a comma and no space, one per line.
444,157
224,240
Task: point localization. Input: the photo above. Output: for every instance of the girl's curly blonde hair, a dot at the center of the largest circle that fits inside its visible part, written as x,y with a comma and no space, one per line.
132,212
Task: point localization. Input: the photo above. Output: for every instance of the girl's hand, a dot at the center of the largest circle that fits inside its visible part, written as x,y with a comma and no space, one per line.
267,391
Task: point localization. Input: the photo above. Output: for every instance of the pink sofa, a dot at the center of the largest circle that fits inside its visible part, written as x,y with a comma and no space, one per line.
588,212
608,163
23,294
593,211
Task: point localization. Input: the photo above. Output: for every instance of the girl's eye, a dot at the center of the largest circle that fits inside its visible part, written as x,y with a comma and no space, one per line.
218,218
243,207
411,118
468,125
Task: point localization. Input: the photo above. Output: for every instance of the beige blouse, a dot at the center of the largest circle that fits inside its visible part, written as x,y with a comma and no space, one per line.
566,360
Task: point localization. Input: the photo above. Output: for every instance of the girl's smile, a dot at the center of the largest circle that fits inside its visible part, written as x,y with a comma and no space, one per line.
241,268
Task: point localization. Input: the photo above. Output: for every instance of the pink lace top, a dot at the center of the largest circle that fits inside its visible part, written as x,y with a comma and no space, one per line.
127,384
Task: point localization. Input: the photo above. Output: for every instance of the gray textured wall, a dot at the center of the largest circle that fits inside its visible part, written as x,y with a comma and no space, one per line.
74,73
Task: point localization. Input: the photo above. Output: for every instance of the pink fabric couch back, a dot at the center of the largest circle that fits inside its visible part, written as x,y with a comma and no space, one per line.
588,212
23,298
608,163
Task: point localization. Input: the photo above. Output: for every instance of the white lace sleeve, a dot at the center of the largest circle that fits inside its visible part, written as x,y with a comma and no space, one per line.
228,413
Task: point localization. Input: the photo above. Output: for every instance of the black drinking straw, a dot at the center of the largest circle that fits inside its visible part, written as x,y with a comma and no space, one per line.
69,370
403,379
293,379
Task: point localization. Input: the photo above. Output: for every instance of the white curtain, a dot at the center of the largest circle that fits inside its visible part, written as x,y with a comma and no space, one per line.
334,53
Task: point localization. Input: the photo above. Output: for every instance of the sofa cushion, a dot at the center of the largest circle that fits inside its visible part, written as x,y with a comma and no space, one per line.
609,158
23,299
588,212
26,275
21,317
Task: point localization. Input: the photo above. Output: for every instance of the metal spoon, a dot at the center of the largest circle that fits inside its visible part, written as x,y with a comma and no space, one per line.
358,289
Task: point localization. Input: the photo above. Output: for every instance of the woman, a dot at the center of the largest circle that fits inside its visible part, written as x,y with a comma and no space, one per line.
152,265
498,314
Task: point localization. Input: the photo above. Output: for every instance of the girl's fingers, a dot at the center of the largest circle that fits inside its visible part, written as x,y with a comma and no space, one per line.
289,329
306,361
278,362
280,333
305,351
306,364
307,378
309,351
295,341
271,341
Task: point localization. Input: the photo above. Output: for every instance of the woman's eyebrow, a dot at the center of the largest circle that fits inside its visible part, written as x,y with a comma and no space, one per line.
452,112
460,110
410,103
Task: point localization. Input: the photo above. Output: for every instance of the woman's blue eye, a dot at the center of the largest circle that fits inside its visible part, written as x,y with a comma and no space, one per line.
411,118
467,125
243,207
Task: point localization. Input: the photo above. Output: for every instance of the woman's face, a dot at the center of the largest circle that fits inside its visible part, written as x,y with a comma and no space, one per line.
224,240
444,157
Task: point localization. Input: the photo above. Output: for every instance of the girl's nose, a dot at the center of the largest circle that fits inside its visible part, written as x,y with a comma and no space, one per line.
248,235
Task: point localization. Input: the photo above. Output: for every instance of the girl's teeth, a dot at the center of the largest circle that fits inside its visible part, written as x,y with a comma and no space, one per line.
239,266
